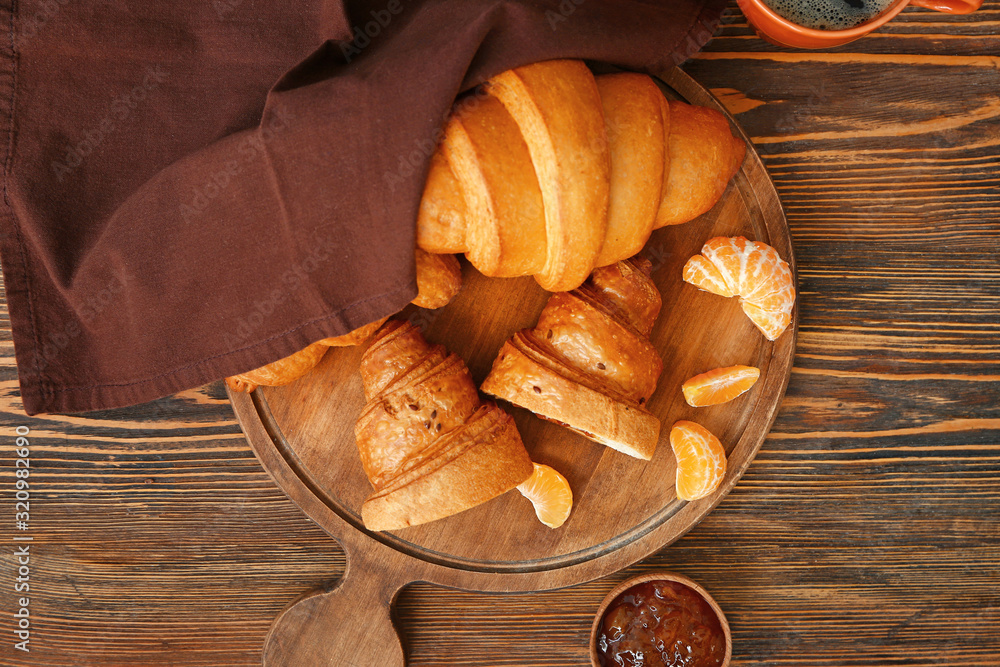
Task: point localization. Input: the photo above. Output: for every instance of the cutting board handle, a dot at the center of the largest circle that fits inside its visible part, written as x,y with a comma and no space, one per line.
350,625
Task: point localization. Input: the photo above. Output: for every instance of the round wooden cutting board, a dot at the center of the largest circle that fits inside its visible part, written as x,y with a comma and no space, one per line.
624,508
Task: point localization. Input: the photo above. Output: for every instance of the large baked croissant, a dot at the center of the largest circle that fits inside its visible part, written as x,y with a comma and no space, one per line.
552,172
588,364
428,445
439,278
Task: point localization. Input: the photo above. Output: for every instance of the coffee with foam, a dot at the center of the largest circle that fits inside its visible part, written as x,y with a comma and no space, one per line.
829,14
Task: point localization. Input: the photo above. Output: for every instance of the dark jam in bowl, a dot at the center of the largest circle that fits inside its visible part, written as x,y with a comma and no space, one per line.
660,623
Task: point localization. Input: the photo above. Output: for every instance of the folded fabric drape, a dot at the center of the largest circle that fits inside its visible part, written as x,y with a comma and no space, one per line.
193,192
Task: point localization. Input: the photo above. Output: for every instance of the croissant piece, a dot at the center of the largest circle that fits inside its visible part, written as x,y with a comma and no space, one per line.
637,121
428,445
442,214
494,173
356,337
588,364
439,279
703,156
557,106
280,372
553,172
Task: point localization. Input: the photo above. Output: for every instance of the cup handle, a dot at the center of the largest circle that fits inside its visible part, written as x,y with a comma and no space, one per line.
949,6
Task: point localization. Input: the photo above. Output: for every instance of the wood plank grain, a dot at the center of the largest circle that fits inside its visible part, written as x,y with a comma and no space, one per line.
864,532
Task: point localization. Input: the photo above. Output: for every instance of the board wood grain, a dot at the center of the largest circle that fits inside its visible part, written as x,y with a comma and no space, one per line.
863,533
624,508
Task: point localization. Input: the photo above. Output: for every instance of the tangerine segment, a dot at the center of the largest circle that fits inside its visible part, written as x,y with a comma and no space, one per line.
751,270
549,492
719,385
772,323
702,274
729,256
701,460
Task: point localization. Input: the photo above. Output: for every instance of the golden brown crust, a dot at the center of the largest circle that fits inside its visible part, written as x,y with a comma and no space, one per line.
428,446
461,477
595,415
600,176
441,217
280,372
439,279
633,117
356,337
399,425
558,108
703,156
588,363
505,221
395,348
615,357
626,290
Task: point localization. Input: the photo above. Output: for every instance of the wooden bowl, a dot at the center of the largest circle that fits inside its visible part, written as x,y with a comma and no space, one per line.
658,576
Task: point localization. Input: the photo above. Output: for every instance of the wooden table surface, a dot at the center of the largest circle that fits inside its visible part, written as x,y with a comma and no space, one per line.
866,531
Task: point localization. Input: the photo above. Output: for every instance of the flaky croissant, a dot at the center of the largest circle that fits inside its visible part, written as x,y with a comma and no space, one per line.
588,364
428,445
552,172
439,279
280,372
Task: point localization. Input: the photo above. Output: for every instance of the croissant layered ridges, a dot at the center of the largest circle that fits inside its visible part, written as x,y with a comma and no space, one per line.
606,323
429,446
637,122
492,168
446,447
526,380
626,291
557,106
432,399
393,351
588,363
577,334
552,172
460,477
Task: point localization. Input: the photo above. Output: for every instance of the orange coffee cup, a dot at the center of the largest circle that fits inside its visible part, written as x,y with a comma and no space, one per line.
779,30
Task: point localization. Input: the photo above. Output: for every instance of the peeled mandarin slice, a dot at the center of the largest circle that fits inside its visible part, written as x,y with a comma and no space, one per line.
702,274
728,255
766,273
771,322
701,460
751,270
549,492
719,385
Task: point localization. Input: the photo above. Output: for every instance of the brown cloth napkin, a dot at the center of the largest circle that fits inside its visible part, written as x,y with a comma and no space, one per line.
195,190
